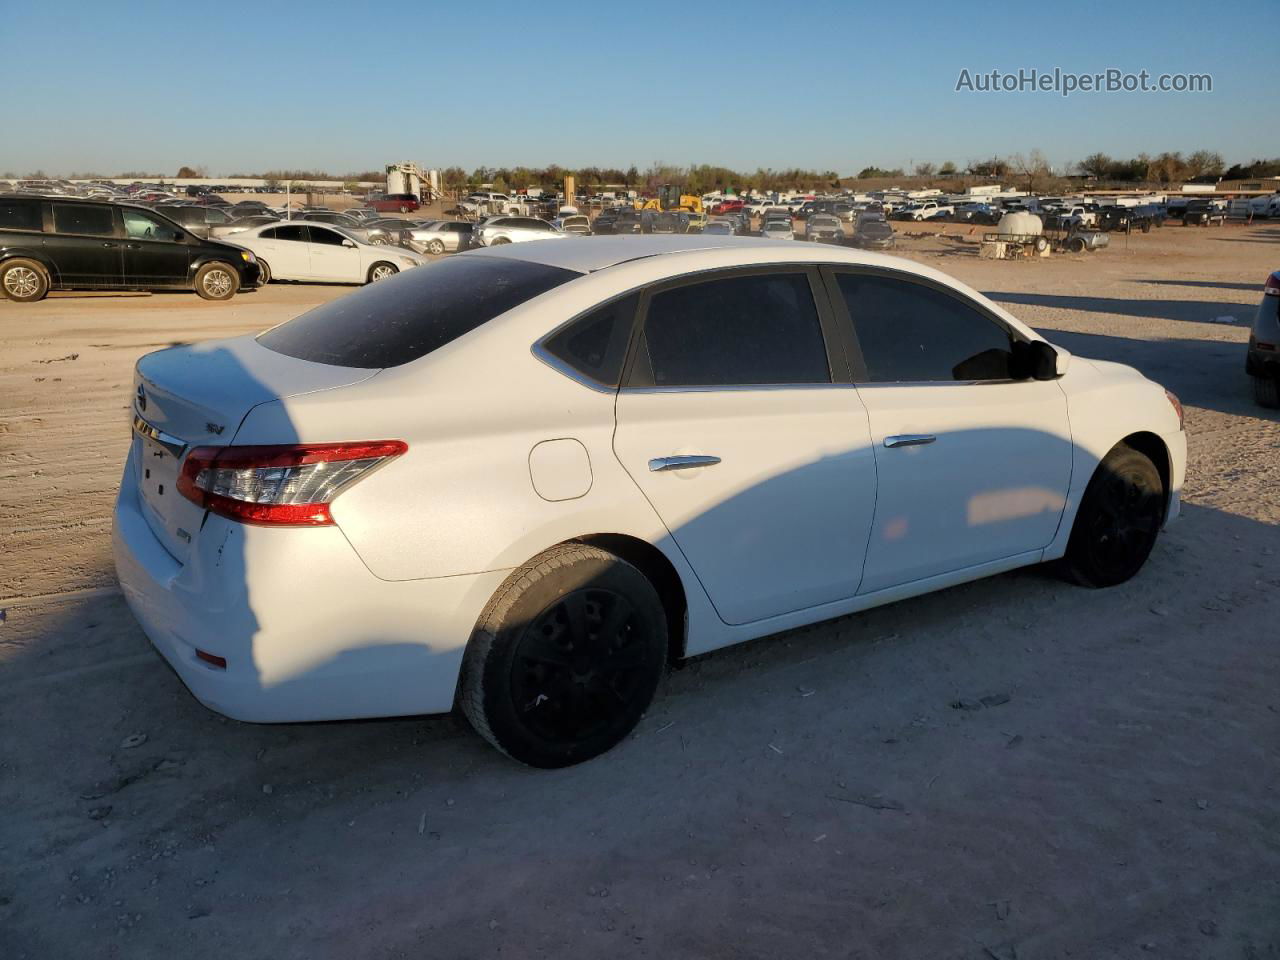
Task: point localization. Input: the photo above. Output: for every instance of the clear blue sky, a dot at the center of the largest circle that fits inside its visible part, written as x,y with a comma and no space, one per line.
345,87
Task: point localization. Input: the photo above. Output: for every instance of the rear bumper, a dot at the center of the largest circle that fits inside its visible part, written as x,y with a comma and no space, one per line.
308,633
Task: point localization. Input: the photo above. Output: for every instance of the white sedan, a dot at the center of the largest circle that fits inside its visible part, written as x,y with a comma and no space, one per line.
321,253
524,479
496,231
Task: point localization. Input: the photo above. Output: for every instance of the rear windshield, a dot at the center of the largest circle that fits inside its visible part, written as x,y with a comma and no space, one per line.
408,316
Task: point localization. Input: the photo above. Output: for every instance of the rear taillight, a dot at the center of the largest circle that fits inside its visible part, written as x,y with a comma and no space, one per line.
291,484
1272,287
1177,408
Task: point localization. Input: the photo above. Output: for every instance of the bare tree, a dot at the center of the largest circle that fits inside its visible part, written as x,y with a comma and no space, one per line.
1204,163
1033,167
925,169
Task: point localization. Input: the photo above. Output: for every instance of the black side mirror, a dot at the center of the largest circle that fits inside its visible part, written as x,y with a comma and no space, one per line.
1034,360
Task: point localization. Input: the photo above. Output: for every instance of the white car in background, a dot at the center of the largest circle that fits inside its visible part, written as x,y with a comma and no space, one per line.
302,250
524,479
497,231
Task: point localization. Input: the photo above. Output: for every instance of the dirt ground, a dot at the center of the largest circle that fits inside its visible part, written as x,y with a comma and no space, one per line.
809,795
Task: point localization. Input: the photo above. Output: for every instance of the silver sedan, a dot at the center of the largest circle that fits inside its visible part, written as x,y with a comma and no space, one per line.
440,236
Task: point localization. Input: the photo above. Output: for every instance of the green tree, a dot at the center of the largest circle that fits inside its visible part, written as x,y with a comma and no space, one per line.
1097,165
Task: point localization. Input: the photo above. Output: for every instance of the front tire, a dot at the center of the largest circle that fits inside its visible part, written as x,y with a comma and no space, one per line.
435,247
1119,519
1266,392
23,280
264,273
381,270
217,281
566,657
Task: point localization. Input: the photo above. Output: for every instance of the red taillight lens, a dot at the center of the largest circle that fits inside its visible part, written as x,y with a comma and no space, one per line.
1272,287
290,484
1177,408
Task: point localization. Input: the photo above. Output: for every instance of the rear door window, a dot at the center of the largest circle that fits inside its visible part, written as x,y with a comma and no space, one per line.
84,220
408,316
746,330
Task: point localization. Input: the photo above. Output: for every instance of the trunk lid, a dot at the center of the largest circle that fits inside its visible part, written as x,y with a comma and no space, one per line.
198,395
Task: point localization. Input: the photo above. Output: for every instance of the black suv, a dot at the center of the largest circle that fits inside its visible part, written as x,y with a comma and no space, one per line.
51,243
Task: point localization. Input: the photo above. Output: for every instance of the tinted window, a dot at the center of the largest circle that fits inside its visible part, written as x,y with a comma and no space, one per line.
407,316
595,345
285,233
909,332
83,219
738,330
19,215
330,237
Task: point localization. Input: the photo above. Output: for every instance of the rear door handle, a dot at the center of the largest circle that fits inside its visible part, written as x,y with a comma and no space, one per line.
111,244
909,440
662,464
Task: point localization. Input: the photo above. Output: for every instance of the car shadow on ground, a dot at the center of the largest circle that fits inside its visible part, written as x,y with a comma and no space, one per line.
1187,311
841,736
1213,284
1203,373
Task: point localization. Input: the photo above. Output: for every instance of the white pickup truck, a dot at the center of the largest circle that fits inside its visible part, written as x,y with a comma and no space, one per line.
1078,215
928,210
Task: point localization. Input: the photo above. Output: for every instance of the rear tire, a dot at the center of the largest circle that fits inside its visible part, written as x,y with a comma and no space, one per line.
23,280
566,657
217,281
1076,245
1266,392
499,241
1119,519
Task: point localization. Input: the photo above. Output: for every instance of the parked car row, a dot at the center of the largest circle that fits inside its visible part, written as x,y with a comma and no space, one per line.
55,243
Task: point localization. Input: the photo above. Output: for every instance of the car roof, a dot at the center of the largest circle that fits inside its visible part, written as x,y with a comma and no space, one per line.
591,254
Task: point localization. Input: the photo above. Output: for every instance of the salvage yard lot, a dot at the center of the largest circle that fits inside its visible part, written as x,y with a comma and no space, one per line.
1015,764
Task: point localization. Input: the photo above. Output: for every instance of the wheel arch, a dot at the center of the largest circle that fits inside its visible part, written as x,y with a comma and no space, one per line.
660,572
1152,446
38,256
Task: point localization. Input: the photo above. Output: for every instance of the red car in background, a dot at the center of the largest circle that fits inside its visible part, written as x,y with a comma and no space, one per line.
728,206
395,203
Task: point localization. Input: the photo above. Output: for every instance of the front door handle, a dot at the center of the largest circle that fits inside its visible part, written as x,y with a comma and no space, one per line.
110,244
909,440
661,464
